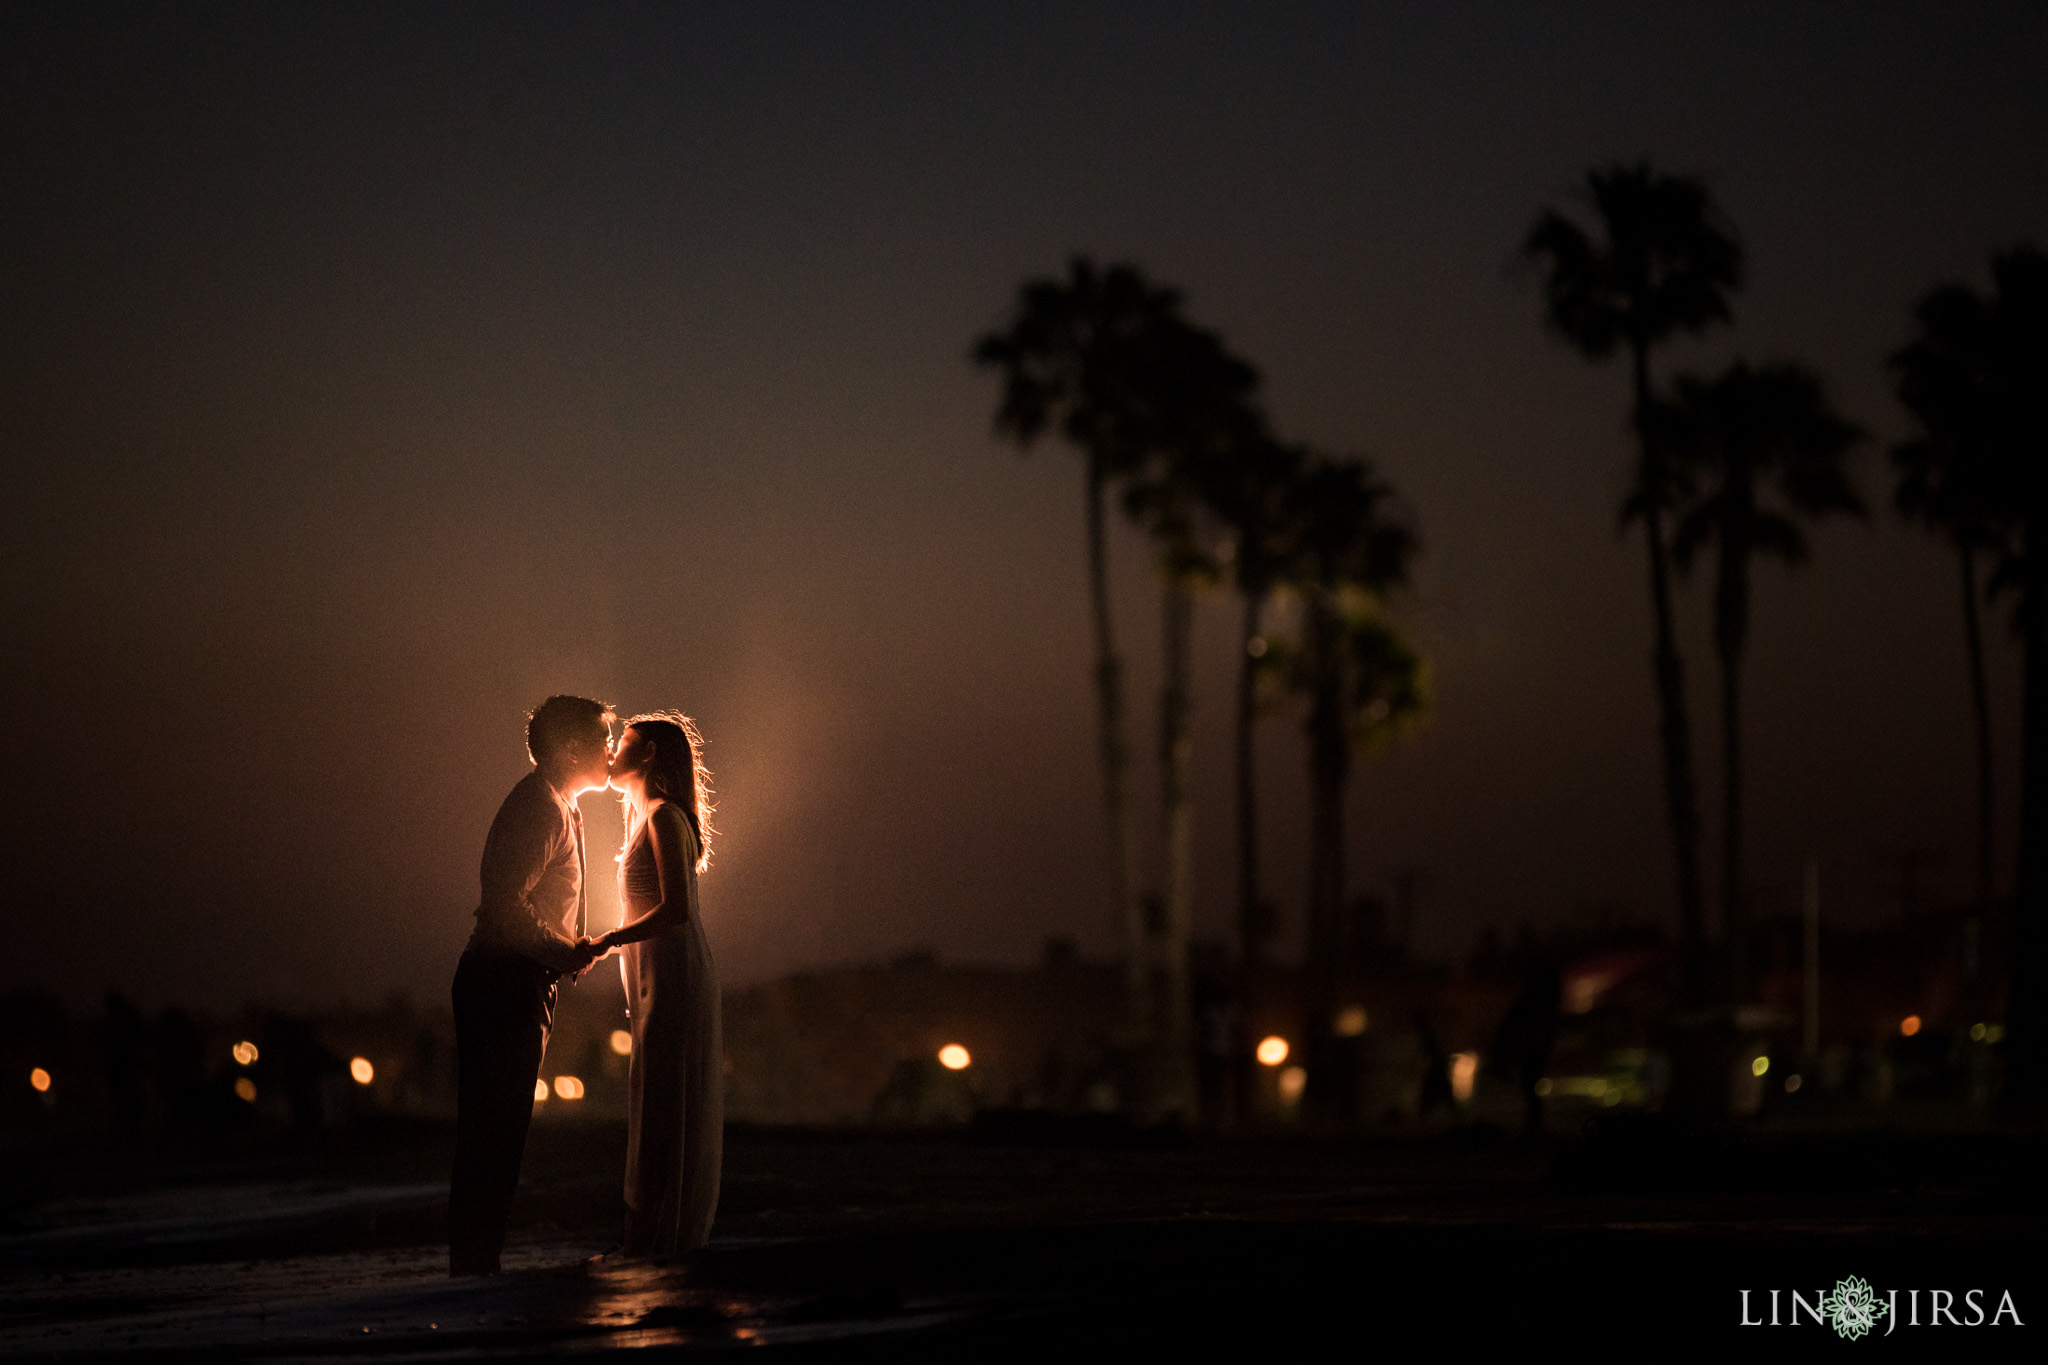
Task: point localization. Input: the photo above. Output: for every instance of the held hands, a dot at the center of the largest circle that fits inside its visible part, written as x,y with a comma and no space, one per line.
592,950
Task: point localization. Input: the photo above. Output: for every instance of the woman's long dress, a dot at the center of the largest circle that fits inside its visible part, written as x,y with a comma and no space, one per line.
675,1086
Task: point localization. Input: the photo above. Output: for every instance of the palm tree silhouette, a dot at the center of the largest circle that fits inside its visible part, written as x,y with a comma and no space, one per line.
1252,495
1362,680
1770,453
1074,359
1202,419
1664,262
1944,484
2012,409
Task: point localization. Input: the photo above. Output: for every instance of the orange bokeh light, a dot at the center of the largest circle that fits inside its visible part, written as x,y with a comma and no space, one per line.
622,1042
1272,1050
360,1070
540,1089
569,1087
1464,1071
1909,1025
954,1057
39,1080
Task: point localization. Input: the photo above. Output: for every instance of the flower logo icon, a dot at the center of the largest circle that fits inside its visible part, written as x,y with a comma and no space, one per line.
1853,1308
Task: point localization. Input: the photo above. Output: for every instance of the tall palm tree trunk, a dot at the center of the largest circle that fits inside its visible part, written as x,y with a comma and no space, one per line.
1731,632
1980,703
2027,1058
1176,753
1735,913
1250,925
1115,753
1680,800
1329,767
1249,928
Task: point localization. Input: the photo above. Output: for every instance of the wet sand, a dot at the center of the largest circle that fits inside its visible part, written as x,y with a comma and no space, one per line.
1013,1245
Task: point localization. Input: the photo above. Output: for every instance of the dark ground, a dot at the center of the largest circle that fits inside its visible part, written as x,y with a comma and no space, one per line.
1019,1243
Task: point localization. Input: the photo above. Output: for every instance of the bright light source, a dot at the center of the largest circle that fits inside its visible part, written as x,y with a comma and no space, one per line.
360,1069
1909,1026
1464,1071
1759,1066
245,1052
622,1042
1350,1021
540,1090
954,1057
1293,1080
568,1087
1792,1083
39,1080
1272,1050
245,1090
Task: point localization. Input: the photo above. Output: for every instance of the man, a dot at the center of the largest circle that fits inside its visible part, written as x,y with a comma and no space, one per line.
531,930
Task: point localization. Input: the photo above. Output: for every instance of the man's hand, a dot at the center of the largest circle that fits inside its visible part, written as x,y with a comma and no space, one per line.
588,950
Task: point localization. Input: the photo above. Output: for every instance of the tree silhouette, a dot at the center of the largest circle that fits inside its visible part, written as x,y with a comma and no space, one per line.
1663,262
1202,419
1361,679
1767,452
1253,496
2013,416
1074,359
1944,483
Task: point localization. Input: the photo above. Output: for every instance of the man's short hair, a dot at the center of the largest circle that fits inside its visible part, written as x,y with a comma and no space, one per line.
562,720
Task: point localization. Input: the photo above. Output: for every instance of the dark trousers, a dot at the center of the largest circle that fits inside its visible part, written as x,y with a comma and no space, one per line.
504,1006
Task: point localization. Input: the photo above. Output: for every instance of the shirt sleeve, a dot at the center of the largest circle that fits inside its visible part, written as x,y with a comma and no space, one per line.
523,839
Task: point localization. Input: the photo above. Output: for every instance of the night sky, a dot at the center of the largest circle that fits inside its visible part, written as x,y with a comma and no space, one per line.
372,372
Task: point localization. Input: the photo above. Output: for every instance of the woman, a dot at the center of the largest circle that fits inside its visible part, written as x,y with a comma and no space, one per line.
676,1104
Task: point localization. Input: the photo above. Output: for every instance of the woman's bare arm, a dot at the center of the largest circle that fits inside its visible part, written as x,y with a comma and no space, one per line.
672,866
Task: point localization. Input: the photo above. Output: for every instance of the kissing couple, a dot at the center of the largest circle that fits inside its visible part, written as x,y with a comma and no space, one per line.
533,929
